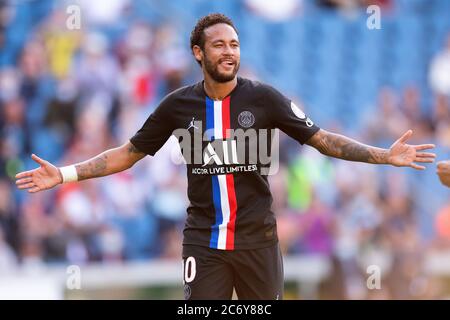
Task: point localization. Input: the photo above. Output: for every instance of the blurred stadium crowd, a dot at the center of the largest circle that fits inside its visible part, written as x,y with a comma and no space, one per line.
67,95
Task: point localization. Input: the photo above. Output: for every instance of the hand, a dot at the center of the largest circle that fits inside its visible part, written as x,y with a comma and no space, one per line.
45,177
443,171
404,155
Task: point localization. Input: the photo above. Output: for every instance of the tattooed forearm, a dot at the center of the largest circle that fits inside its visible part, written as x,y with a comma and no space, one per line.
109,162
338,146
93,168
350,150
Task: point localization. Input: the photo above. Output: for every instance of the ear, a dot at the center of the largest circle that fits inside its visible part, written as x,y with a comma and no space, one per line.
198,53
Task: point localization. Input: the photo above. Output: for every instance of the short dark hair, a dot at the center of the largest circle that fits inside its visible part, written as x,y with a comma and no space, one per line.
198,34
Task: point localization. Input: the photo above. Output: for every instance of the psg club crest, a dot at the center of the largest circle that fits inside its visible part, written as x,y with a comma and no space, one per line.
246,119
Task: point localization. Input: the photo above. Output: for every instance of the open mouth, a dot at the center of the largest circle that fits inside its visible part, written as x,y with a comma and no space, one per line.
227,63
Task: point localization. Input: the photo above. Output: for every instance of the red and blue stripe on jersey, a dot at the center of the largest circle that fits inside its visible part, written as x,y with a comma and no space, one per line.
223,191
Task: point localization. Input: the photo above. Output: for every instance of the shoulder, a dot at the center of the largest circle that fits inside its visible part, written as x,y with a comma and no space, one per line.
177,97
254,85
261,89
182,92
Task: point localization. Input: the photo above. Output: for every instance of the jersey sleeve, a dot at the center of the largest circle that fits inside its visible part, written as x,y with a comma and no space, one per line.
156,130
288,117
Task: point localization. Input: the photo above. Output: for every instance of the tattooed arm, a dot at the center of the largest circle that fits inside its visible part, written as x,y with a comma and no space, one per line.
111,161
339,146
399,154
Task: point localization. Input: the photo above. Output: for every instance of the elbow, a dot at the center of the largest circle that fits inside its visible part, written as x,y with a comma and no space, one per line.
128,164
322,150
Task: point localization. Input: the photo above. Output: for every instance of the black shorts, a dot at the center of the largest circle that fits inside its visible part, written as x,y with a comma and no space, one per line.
212,274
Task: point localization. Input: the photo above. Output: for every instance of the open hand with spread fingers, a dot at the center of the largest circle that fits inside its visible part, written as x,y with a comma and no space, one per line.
402,154
45,177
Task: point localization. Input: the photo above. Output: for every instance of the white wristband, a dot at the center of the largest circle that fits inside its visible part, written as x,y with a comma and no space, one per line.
69,173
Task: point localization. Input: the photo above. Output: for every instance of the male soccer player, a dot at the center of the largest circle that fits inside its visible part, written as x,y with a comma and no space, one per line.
230,239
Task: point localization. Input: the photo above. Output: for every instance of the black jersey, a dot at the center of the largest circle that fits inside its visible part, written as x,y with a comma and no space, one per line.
223,143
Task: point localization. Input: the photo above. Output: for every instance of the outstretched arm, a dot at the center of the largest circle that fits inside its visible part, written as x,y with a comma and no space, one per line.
399,154
109,162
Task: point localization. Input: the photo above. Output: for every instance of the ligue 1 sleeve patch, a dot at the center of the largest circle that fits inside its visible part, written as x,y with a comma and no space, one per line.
301,115
297,111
